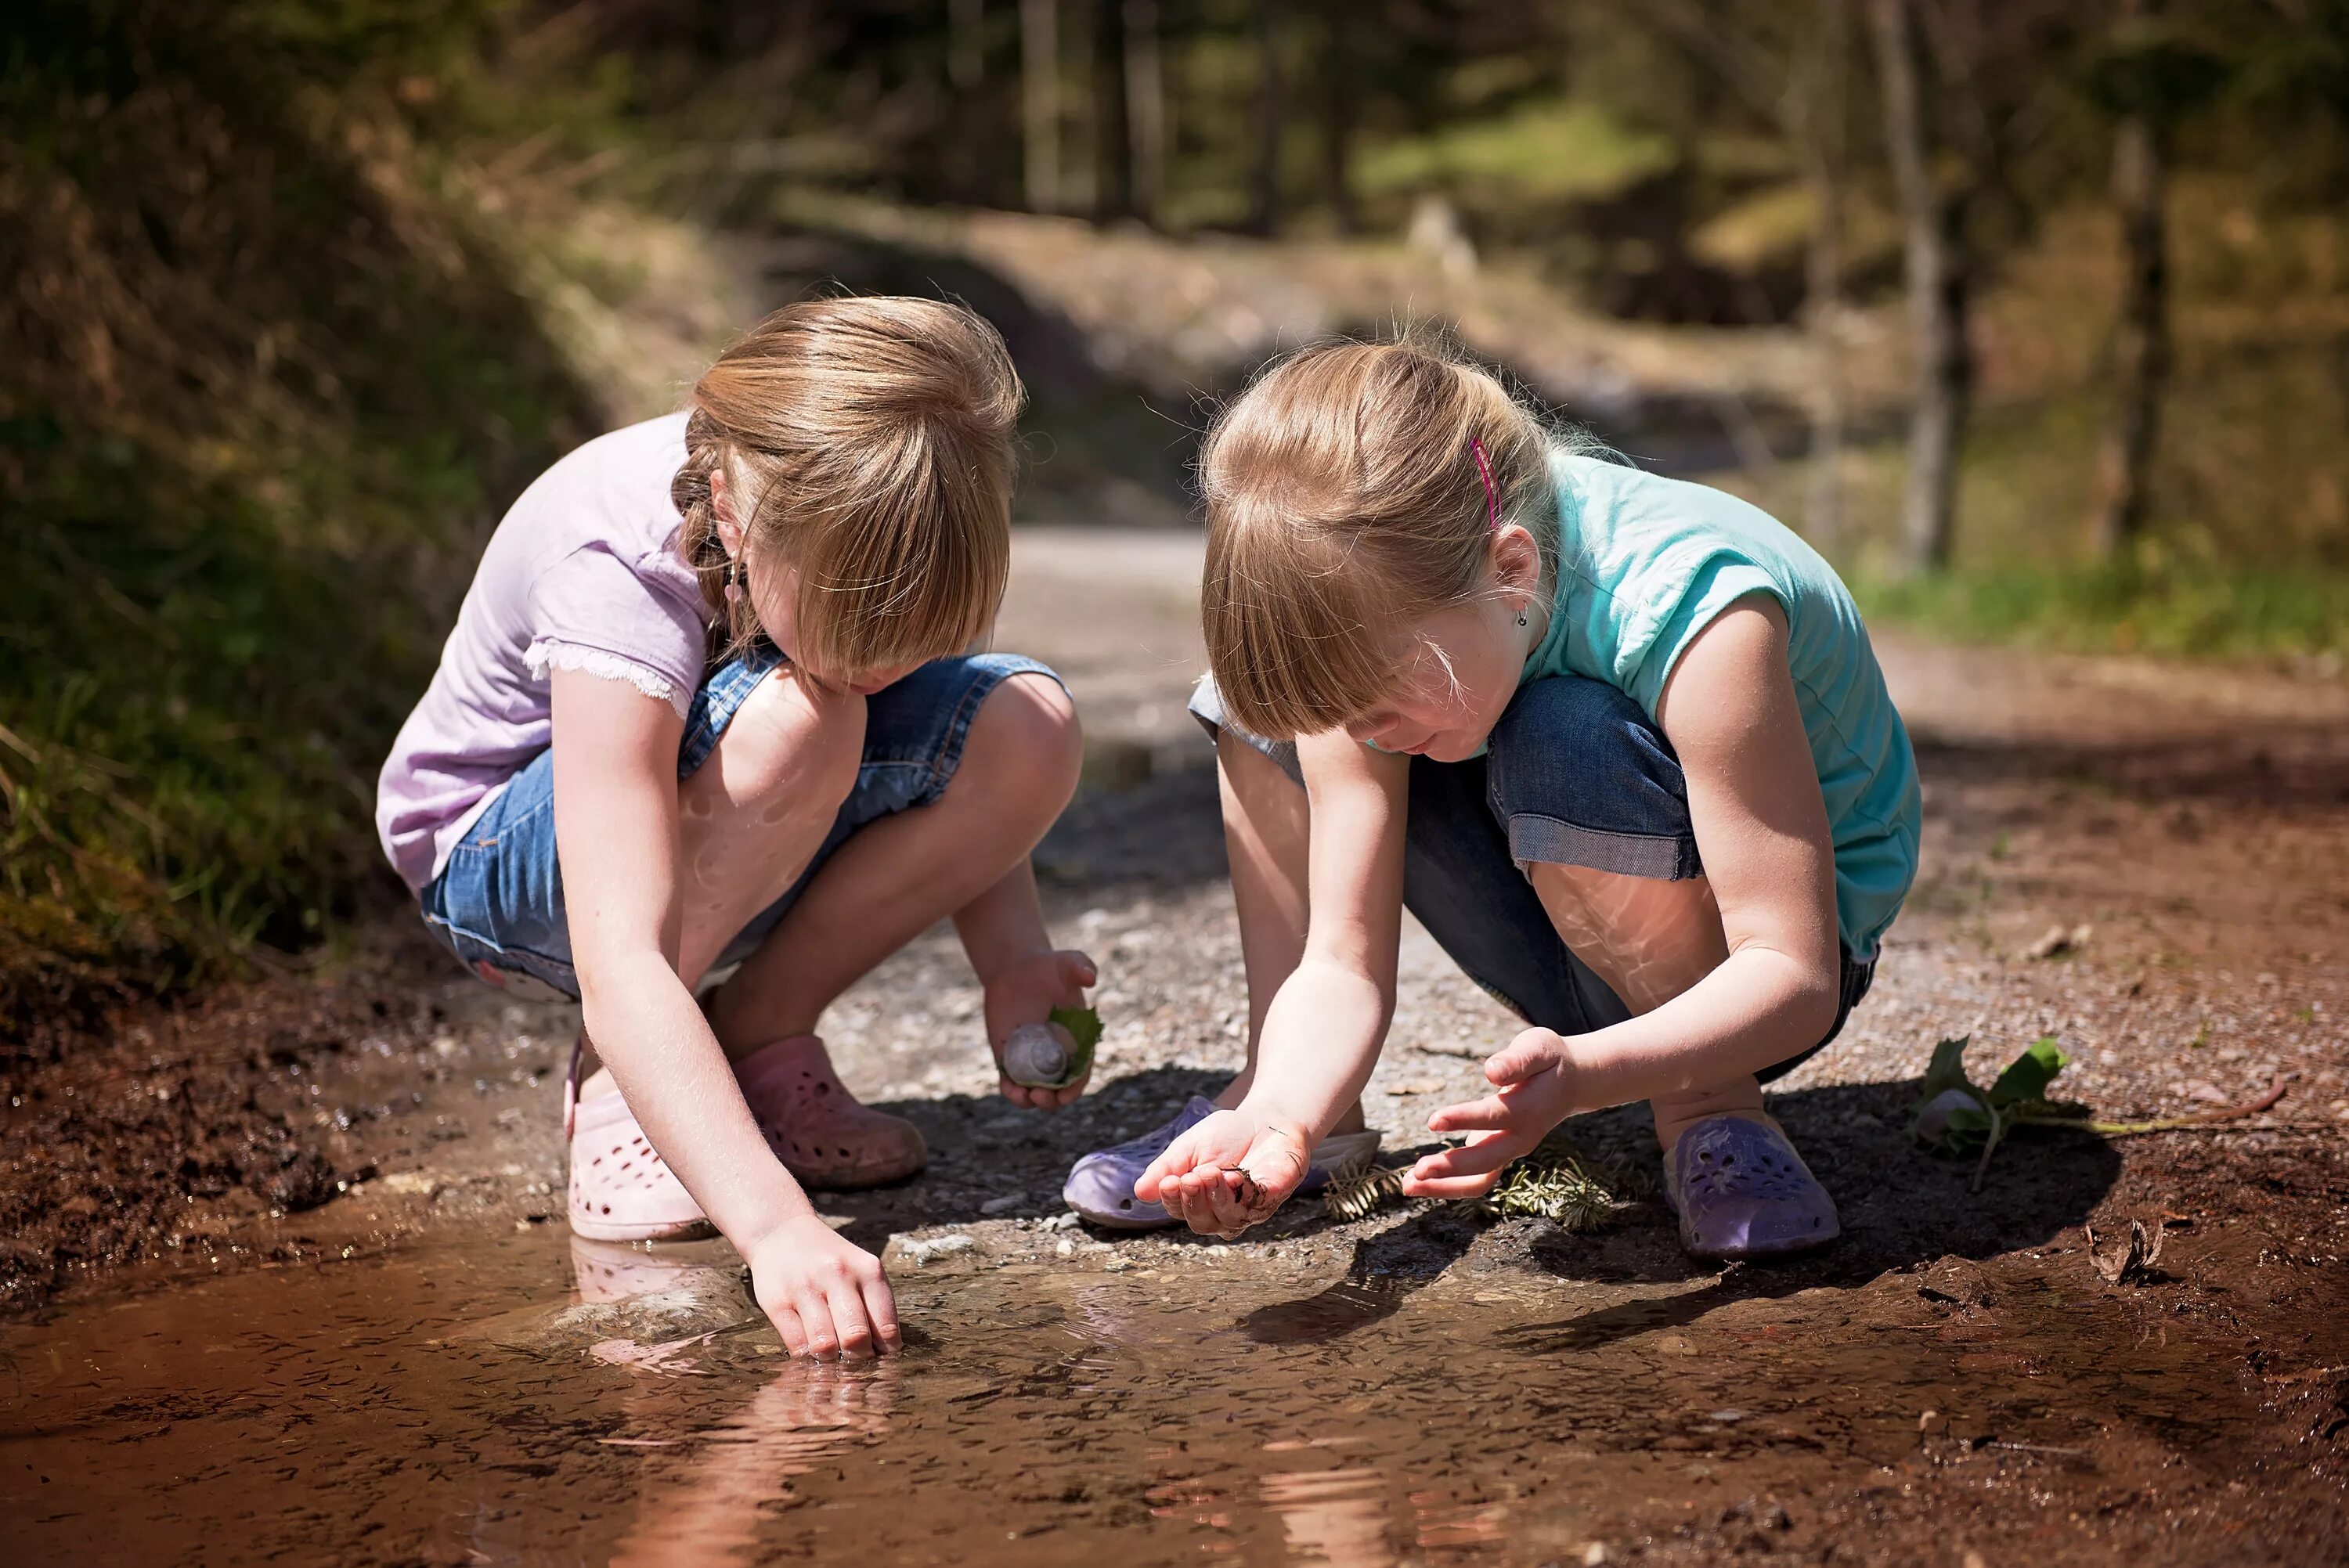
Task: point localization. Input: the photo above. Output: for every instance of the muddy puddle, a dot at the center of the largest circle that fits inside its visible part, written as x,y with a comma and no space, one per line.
535,1399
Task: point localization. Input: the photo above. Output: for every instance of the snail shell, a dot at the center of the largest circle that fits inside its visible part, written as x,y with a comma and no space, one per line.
1038,1055
1933,1118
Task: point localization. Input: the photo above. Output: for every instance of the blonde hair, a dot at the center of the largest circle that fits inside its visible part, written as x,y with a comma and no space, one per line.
868,443
1345,504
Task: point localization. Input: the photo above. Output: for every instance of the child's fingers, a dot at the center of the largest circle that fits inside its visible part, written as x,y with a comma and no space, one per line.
1230,1202
1490,1114
849,1318
1530,1055
1078,971
1204,1196
881,1309
1029,1097
787,1324
1474,1186
815,1316
1151,1184
1476,1157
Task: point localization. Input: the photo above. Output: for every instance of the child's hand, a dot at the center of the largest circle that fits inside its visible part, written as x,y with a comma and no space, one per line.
1533,1093
1025,992
1229,1172
827,1297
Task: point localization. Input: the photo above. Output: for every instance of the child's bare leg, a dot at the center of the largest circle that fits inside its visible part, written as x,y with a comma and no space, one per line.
1650,940
1266,822
899,876
753,816
756,813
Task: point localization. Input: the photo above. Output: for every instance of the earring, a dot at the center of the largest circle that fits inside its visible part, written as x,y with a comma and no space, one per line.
733,578
1521,621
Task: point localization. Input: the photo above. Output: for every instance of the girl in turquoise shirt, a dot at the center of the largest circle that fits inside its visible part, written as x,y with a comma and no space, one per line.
1620,742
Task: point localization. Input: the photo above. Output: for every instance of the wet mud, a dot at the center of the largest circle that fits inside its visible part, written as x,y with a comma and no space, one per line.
536,1400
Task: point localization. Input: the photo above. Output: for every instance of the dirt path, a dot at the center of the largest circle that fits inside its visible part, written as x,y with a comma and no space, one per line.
2196,822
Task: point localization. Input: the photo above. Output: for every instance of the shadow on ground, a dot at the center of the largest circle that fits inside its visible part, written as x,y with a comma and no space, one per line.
1901,1208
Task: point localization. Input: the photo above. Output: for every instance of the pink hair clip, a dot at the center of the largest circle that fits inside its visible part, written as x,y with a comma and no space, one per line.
1492,496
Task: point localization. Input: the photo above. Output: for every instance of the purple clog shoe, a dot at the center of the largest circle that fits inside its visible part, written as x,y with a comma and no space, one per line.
1100,1186
1742,1191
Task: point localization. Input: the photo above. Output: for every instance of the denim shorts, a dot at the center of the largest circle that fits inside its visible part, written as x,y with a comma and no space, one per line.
1575,774
498,904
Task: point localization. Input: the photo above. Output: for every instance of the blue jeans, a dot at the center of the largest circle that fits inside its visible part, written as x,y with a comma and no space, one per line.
498,904
1575,774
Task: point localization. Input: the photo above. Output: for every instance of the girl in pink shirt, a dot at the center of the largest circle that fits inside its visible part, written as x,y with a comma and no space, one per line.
705,718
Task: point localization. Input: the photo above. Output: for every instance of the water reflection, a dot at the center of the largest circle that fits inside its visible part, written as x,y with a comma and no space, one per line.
729,1479
706,1490
1334,1516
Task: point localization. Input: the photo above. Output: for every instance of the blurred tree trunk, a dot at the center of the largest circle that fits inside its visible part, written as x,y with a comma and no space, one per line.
1793,66
2141,351
1112,116
1271,117
1932,226
1817,110
1039,98
2140,342
966,44
1145,109
1341,106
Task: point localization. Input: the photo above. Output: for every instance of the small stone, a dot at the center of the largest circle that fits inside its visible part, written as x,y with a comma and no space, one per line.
920,1251
1067,1249
1004,1204
1596,1555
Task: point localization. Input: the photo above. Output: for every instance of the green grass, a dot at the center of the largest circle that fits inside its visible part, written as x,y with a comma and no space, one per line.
1539,154
238,523
2193,609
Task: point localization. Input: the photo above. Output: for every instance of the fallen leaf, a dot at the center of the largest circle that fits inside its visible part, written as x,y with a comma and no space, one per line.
2131,1262
2058,940
1416,1086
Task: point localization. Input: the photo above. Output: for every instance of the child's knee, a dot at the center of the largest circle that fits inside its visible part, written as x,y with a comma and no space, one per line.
785,742
1027,738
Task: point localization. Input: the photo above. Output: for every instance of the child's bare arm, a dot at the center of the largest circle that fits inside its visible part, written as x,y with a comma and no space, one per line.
1325,1025
1024,977
1730,712
616,825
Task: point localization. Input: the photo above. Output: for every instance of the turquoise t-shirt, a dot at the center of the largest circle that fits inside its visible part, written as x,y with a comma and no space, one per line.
1645,564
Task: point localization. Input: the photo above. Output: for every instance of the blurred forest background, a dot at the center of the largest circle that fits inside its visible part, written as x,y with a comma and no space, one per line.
2033,313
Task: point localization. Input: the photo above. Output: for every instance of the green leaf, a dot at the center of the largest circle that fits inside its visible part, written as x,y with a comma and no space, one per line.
2026,1079
1947,1070
1084,1027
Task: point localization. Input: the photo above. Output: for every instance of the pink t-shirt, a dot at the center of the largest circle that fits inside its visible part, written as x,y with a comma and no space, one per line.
582,574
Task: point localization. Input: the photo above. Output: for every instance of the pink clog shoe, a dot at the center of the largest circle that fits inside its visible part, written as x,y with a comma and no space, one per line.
816,1128
621,1189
